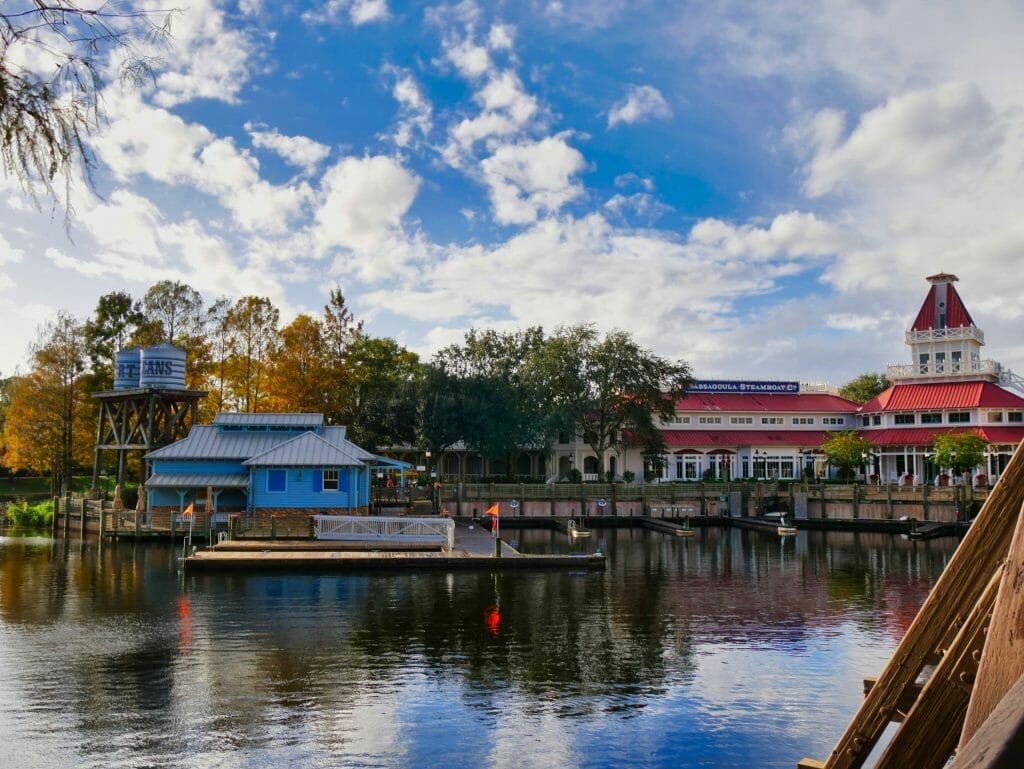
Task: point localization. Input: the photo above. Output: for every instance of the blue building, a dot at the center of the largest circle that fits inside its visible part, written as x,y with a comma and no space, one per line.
263,464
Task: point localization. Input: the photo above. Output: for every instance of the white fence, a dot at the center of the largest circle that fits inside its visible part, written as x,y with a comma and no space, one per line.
374,529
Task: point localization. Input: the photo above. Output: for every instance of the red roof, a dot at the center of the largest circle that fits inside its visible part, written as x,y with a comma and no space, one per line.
956,313
943,395
925,436
819,403
703,439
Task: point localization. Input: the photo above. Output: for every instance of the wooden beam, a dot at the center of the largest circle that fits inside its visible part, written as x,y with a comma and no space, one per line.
930,730
910,697
947,606
1002,662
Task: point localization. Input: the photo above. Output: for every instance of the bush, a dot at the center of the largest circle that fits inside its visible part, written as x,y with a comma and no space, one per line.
25,516
629,476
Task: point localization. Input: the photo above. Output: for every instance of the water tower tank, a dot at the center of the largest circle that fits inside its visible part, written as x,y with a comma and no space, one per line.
163,365
127,368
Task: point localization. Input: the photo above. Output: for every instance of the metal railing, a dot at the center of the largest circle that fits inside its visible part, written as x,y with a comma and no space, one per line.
370,529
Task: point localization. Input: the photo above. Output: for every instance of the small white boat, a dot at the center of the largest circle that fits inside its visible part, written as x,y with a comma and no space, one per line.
783,529
576,530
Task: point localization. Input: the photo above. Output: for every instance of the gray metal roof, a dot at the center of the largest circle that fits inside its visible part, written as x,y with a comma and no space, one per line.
197,480
310,450
297,421
205,442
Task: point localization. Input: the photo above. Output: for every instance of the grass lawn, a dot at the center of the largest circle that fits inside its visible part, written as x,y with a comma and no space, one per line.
29,487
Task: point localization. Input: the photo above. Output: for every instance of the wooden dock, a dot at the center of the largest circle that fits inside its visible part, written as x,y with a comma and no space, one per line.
474,549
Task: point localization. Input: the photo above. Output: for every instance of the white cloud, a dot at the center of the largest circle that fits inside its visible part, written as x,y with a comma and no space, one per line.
642,102
913,136
148,141
416,120
645,206
363,204
524,180
205,57
790,235
501,37
365,11
8,253
300,151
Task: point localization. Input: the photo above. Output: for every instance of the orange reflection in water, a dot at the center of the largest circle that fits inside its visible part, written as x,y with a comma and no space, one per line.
185,624
492,618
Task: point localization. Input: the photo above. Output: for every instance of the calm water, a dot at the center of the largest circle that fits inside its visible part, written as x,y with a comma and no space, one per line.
734,649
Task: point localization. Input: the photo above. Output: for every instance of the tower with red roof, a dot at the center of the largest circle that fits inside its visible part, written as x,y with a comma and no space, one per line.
947,387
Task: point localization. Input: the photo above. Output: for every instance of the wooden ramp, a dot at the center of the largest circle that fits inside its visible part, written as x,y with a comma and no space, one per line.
975,664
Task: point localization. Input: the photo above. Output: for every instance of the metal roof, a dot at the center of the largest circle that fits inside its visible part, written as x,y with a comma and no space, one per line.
297,421
310,450
210,442
197,480
818,403
943,395
956,314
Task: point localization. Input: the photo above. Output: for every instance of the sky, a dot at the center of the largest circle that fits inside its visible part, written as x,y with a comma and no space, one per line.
757,188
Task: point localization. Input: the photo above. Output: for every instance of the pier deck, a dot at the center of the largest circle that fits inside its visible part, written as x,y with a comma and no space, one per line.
474,549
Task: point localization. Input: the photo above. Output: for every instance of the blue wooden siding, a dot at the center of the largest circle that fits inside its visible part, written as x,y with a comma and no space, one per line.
305,489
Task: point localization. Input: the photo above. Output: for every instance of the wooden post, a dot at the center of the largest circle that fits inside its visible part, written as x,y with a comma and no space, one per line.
103,521
56,512
615,507
703,500
273,527
67,513
82,520
924,502
458,499
951,600
824,510
856,500
888,501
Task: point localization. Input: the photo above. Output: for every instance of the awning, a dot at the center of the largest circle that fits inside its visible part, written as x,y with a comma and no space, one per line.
198,480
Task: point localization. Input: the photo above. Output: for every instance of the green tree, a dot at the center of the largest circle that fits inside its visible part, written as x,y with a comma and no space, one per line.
51,55
610,390
341,332
175,311
959,452
846,451
49,420
384,378
252,326
863,388
502,404
114,321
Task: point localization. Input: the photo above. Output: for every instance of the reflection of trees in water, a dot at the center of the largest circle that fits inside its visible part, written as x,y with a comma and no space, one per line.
278,649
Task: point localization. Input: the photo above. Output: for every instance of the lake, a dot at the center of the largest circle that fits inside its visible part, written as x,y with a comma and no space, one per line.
733,649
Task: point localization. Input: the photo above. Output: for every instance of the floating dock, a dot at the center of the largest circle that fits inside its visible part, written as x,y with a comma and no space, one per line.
474,549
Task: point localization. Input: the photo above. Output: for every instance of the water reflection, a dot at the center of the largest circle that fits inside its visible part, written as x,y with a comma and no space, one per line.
733,648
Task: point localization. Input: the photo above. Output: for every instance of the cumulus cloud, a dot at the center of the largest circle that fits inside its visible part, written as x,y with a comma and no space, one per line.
363,203
415,111
151,142
526,179
359,12
642,103
300,151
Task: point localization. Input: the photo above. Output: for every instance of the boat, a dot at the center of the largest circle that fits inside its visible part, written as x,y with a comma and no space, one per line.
783,529
576,530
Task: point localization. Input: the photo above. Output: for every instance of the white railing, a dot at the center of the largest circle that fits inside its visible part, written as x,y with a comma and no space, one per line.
942,334
374,529
961,369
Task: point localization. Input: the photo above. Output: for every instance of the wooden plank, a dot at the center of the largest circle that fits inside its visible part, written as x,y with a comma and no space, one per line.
911,695
999,741
950,602
930,730
1002,662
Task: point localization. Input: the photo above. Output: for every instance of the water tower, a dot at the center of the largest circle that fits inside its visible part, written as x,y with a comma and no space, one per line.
149,406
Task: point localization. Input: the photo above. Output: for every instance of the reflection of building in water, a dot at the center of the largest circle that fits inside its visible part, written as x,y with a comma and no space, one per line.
947,387
774,430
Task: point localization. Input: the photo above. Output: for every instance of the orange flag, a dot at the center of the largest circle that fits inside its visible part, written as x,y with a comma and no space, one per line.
187,512
492,510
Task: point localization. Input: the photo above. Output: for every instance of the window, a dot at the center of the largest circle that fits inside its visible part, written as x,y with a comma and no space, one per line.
330,480
959,417
940,362
865,421
836,420
803,420
923,367
771,420
955,356
904,419
276,480
741,420
995,416
931,419
709,420
876,419
1015,416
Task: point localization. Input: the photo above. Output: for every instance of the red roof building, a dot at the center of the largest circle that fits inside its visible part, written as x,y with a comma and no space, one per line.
947,388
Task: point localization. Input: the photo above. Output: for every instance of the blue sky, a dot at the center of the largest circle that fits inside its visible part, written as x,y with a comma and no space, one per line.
758,188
